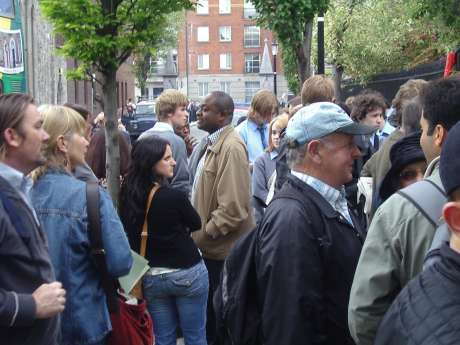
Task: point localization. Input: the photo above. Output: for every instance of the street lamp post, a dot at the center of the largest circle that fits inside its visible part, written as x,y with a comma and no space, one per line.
274,53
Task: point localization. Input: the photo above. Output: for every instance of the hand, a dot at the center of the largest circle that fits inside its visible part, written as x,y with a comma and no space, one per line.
49,299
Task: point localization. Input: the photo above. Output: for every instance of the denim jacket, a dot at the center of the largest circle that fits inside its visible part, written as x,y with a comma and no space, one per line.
60,202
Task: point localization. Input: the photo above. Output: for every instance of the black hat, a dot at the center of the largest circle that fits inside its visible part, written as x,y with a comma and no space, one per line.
404,152
449,166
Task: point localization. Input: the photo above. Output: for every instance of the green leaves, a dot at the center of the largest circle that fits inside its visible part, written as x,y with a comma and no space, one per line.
368,37
104,33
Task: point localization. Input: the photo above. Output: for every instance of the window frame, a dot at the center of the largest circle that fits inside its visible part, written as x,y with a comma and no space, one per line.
200,7
202,56
228,60
228,7
198,33
246,61
229,31
247,40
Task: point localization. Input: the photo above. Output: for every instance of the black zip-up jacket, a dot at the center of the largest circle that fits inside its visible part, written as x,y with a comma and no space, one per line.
305,261
427,311
24,266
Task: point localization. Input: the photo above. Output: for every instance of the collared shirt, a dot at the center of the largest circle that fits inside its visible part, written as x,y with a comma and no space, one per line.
157,127
23,184
211,140
250,133
336,198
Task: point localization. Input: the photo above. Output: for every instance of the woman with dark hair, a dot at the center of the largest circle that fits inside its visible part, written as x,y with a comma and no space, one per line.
176,286
408,165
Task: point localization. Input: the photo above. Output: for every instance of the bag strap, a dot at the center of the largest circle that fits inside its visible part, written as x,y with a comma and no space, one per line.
97,248
427,197
144,233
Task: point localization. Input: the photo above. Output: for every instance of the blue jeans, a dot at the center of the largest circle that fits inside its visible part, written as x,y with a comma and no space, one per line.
178,299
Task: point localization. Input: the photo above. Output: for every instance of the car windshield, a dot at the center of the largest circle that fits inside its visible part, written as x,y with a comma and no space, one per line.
145,109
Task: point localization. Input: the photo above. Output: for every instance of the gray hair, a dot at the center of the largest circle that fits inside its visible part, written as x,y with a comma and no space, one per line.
295,153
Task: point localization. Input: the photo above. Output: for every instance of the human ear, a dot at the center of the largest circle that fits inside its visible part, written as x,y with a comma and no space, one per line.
12,137
440,135
313,150
62,144
451,213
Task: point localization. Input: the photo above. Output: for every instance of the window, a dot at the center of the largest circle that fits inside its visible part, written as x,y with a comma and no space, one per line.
251,36
252,63
7,8
203,61
250,88
202,7
203,89
226,61
225,33
225,6
202,34
225,86
249,10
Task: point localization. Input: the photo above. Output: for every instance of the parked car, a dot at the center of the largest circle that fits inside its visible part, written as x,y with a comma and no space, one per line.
240,111
142,119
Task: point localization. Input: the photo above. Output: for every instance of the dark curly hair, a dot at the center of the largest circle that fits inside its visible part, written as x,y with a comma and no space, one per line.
366,102
441,103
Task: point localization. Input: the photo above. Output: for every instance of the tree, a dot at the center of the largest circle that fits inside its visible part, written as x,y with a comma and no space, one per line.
292,21
368,37
146,54
101,35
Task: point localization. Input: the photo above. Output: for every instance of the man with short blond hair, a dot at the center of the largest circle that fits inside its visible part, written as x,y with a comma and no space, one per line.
317,88
170,110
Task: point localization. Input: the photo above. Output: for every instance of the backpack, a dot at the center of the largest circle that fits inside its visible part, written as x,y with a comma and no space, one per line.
429,199
235,301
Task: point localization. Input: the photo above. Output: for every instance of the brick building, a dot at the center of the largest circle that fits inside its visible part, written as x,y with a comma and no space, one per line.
222,48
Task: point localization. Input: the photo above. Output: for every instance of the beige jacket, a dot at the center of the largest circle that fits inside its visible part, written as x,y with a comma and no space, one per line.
222,196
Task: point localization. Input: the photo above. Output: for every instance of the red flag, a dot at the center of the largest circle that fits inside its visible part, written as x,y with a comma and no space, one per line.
450,62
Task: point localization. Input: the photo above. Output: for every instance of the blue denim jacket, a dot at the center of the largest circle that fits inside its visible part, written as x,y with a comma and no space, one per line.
60,202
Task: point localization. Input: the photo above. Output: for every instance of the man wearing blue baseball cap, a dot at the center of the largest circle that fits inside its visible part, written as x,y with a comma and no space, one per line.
309,241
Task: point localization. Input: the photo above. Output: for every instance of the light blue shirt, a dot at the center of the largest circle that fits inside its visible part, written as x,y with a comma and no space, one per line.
249,132
336,198
22,183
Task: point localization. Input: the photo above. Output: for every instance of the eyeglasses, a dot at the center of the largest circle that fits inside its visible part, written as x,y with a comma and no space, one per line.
411,174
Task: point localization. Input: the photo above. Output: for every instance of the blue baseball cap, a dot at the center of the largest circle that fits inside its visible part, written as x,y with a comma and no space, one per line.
319,119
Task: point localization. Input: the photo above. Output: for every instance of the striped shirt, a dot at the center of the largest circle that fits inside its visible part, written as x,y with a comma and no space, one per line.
336,198
211,140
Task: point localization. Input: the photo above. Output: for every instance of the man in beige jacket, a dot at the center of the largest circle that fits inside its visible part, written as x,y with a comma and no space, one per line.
220,191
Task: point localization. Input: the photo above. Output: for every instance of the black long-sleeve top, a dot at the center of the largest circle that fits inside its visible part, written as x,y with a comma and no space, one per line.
170,220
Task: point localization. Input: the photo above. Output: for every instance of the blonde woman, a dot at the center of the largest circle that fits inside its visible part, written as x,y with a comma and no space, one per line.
60,202
265,165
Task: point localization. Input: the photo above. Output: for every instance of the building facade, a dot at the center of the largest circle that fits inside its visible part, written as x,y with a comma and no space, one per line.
222,48
46,70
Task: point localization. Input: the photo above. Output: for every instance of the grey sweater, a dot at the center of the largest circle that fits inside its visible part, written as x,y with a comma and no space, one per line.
180,179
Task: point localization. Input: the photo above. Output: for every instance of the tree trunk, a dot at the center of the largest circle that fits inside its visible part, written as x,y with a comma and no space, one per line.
337,72
112,148
304,53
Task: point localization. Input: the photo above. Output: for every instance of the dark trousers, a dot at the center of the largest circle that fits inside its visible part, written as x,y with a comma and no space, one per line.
214,269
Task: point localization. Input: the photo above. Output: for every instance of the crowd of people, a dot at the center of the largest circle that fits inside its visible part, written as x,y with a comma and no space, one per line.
332,262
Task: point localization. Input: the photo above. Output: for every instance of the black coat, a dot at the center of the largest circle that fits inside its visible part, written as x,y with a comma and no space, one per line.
24,266
427,311
305,261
